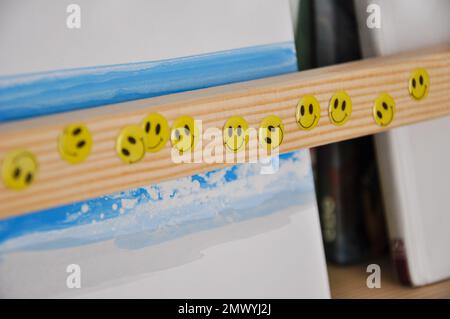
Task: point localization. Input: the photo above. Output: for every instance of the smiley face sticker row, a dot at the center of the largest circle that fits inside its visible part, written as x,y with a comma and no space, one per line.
19,168
152,134
236,135
340,107
307,112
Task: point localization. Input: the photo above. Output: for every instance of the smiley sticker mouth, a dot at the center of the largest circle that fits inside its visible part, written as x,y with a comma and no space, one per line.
423,93
182,149
281,137
232,149
307,127
73,154
392,117
141,140
156,145
338,122
67,152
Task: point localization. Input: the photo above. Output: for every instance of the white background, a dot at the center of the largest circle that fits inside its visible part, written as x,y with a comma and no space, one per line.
34,36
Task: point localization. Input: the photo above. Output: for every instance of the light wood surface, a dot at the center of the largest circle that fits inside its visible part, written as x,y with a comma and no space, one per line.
350,282
103,172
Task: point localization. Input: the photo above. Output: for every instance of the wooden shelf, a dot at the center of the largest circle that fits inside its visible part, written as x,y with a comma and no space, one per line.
59,183
350,282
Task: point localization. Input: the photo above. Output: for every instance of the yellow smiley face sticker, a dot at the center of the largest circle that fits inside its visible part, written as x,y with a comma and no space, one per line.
384,109
271,132
75,143
307,112
419,84
184,135
340,108
235,134
130,144
156,132
19,169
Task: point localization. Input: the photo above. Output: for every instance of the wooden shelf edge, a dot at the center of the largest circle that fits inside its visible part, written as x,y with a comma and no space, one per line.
103,172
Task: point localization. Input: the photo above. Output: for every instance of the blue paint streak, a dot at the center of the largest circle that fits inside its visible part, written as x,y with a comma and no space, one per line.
30,95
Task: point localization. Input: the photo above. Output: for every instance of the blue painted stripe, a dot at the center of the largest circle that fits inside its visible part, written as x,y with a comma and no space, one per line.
29,95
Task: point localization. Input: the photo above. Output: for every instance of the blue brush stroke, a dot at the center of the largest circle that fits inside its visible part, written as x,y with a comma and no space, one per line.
30,95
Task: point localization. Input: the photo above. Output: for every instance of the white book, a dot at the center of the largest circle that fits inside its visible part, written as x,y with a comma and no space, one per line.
414,160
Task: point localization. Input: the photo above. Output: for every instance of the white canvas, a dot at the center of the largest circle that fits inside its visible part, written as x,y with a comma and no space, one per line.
232,232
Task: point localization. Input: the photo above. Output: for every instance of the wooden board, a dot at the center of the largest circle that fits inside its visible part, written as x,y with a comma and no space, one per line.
103,172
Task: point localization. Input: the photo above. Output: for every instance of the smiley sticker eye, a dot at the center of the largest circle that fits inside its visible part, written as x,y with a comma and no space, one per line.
271,128
239,130
379,114
76,131
311,109
29,178
268,140
384,105
336,103
131,139
414,83
230,131
344,104
302,110
421,80
187,130
177,134
81,143
16,173
147,127
125,152
158,129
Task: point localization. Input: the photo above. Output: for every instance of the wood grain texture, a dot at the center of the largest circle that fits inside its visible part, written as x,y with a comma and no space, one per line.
103,172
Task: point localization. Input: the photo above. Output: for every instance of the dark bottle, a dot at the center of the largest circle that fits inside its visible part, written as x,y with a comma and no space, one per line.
346,178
